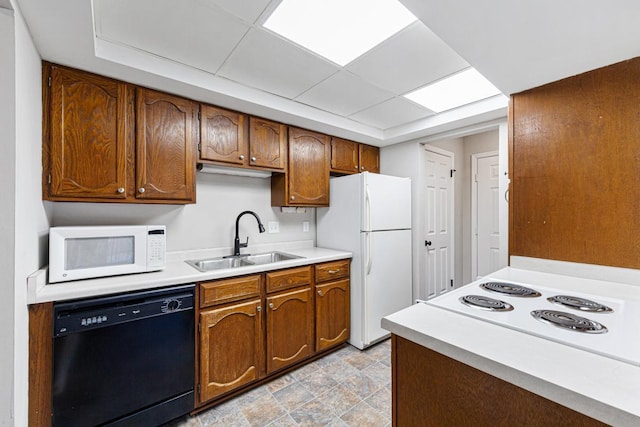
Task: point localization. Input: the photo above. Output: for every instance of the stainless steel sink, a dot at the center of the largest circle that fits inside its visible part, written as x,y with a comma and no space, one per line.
219,263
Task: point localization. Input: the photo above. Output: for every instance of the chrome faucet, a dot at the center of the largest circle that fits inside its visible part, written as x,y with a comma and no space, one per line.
236,242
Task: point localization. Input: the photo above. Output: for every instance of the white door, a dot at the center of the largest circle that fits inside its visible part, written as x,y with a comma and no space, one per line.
387,202
486,244
438,239
387,280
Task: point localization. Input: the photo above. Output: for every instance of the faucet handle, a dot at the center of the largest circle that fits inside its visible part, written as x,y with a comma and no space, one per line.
245,244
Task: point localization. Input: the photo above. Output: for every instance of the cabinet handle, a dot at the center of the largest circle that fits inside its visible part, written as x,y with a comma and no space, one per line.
271,305
121,190
293,197
141,189
334,271
241,156
320,293
258,309
253,159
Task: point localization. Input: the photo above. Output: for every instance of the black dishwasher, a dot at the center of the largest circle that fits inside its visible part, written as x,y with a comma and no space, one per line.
125,360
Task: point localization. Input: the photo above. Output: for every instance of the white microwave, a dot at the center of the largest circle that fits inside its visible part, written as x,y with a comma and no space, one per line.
98,251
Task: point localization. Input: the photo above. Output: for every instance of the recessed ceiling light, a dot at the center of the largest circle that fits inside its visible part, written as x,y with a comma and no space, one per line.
455,91
339,30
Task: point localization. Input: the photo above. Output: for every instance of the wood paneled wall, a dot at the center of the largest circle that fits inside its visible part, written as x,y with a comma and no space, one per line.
575,168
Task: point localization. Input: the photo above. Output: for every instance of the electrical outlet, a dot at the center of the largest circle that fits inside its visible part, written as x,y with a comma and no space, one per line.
274,227
305,226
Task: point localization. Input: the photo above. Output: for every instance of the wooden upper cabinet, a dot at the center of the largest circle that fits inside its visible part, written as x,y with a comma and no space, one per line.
267,144
369,158
166,139
90,135
344,156
306,182
223,136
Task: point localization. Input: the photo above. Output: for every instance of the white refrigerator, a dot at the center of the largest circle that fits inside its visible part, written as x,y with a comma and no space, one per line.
370,216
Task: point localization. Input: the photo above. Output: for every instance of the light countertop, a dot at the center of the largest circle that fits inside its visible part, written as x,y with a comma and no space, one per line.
600,387
176,272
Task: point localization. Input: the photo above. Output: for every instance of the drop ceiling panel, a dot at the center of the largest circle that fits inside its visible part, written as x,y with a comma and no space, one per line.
201,36
343,94
265,61
411,59
247,10
391,113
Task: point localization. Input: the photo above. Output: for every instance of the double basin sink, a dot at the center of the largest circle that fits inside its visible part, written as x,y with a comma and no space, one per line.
219,263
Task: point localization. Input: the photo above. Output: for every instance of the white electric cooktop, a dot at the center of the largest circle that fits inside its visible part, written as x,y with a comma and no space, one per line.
593,322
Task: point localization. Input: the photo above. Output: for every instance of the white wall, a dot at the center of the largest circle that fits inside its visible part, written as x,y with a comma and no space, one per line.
208,223
7,213
32,219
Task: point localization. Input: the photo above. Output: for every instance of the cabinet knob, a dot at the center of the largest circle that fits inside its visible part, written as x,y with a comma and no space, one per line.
241,157
121,190
293,197
253,159
258,308
361,168
141,190
320,293
356,166
271,305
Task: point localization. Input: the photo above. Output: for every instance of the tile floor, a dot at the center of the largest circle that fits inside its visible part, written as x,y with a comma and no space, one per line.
345,388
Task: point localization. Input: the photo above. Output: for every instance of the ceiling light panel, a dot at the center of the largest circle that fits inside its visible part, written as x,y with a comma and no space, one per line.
339,30
460,89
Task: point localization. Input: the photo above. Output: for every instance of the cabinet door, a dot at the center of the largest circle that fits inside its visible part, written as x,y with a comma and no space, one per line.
289,328
369,158
231,348
309,156
91,135
267,144
332,314
166,138
223,135
344,156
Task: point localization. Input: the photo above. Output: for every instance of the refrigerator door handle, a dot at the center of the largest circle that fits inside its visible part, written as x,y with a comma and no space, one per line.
369,257
367,207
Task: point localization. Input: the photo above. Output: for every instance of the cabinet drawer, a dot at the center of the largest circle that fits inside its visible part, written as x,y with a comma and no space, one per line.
332,270
228,290
290,278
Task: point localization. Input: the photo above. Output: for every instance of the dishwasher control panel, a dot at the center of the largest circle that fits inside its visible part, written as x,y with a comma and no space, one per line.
82,315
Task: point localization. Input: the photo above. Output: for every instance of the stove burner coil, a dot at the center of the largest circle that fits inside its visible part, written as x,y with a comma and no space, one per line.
581,304
569,321
510,289
485,303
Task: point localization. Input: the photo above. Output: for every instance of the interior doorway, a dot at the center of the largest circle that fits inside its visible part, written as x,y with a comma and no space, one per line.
438,250
485,193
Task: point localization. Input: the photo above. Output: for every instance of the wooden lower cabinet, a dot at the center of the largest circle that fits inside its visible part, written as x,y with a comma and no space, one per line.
231,348
430,389
332,314
289,328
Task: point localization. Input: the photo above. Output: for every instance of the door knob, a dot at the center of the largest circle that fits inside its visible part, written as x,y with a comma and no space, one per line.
427,242
241,157
253,159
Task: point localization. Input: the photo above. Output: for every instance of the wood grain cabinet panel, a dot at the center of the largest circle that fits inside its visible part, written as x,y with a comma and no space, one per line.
306,182
290,327
332,270
223,136
231,348
91,124
289,278
332,314
166,128
369,158
267,144
344,156
229,290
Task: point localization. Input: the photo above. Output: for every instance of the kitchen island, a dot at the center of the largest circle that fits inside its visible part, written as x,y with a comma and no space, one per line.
463,368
